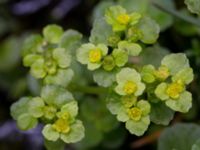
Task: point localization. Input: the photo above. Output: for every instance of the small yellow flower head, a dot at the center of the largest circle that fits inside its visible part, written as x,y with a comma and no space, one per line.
61,125
174,89
123,19
95,55
135,113
162,73
130,87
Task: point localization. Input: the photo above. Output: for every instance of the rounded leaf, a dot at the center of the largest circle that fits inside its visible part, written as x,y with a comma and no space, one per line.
150,30
62,78
20,107
53,33
55,95
179,137
161,114
104,78
26,122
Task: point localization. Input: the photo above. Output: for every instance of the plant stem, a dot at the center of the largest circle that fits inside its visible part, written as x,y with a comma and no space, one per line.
88,89
177,14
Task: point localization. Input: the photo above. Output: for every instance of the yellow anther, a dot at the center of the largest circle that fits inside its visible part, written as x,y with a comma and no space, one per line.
130,87
123,19
174,89
95,55
61,125
135,113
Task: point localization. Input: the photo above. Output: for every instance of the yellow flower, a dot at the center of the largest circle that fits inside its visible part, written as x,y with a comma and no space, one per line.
61,125
95,55
174,89
130,87
135,113
123,19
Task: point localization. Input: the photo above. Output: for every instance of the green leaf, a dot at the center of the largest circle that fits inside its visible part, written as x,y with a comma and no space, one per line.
138,127
183,104
135,6
196,146
29,59
26,121
20,107
90,140
58,145
104,78
114,103
193,6
133,49
162,18
91,109
62,57
49,133
63,77
53,33
179,137
175,62
161,114
149,54
55,95
100,8
32,44
150,30
70,39
111,141
101,31
120,56
76,133
36,106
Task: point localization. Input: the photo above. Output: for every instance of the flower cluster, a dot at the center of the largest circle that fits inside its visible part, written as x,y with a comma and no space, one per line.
134,89
173,90
121,42
48,58
136,93
57,108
